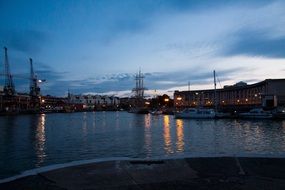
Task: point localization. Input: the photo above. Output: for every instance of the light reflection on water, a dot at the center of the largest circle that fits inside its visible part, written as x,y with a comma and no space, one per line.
147,135
40,140
180,135
29,141
166,135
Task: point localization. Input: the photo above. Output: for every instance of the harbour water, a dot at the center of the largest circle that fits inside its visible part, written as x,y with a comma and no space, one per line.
32,141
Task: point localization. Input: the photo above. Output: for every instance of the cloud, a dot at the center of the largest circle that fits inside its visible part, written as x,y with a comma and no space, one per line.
123,83
256,43
25,41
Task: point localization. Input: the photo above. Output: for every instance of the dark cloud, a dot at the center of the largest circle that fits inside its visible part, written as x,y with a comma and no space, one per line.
196,76
256,43
56,83
186,5
25,41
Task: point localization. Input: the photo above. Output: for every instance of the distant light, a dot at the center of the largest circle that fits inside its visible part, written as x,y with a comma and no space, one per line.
166,99
41,80
246,99
237,100
147,103
223,101
43,101
179,98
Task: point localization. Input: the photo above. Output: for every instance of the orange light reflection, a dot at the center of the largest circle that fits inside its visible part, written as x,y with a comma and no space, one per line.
180,135
166,135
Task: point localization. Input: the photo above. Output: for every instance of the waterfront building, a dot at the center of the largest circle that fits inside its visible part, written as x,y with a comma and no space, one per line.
17,103
94,101
269,94
52,103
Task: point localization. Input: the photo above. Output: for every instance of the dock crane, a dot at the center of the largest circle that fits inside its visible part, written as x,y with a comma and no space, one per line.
34,88
9,87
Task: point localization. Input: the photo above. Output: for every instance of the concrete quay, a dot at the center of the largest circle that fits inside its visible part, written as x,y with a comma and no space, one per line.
178,174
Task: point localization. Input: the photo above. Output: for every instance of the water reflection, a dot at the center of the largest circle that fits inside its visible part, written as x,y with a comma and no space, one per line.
147,135
84,124
180,135
167,135
40,140
117,125
29,141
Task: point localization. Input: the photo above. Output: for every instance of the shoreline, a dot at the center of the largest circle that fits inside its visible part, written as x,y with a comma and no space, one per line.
51,167
223,166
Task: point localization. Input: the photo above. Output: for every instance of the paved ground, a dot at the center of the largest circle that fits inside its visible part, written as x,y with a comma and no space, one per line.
189,173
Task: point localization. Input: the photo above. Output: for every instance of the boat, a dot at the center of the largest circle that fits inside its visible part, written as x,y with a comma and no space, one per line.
139,106
256,113
222,115
279,113
199,113
196,113
156,112
139,110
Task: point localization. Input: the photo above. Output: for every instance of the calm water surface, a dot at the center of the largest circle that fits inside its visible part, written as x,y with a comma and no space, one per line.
31,141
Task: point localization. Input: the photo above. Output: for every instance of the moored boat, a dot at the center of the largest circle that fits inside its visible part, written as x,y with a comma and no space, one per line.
279,113
196,113
222,115
257,113
139,110
156,112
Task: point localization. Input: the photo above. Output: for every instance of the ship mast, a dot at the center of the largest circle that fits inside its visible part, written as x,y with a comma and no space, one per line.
215,91
139,89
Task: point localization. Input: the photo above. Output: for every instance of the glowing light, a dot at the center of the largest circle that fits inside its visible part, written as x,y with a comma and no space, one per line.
43,101
147,103
178,98
166,99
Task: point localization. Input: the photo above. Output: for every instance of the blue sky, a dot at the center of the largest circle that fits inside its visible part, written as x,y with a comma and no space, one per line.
97,46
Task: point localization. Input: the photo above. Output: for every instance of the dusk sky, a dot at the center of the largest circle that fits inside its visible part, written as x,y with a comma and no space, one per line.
97,46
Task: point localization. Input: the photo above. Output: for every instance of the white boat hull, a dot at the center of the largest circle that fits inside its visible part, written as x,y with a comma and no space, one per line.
196,114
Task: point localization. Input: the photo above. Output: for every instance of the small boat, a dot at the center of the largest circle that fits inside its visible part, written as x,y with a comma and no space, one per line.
156,112
222,115
139,110
279,113
257,113
196,113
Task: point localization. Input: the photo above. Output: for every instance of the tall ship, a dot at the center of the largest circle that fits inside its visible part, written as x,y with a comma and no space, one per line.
139,104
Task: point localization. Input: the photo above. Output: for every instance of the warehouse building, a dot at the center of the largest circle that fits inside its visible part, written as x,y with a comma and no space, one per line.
268,94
